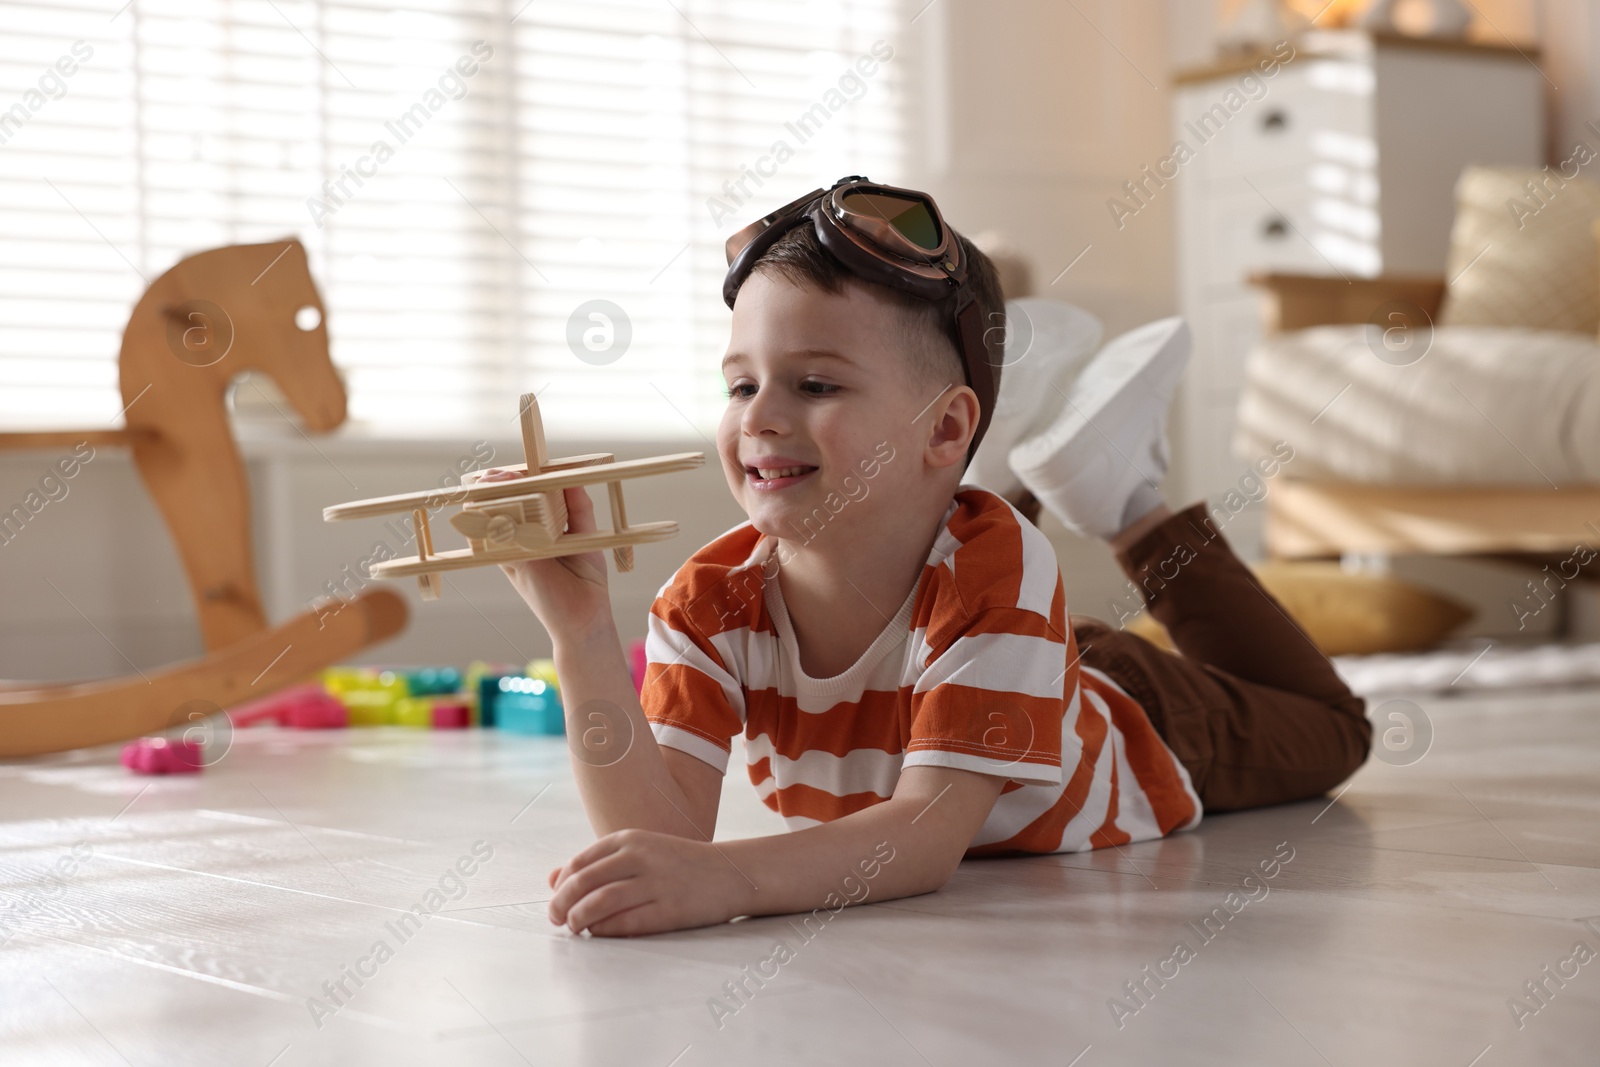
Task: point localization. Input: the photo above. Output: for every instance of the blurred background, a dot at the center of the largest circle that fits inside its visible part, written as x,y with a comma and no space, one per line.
467,175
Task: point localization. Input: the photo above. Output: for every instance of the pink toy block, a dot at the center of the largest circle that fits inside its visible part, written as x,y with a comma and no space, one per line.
157,755
301,707
321,712
636,664
451,716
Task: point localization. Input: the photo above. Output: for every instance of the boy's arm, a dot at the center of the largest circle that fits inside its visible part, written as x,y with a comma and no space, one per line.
638,883
625,779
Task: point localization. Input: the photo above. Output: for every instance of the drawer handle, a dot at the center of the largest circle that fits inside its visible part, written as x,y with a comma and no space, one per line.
1275,228
1275,121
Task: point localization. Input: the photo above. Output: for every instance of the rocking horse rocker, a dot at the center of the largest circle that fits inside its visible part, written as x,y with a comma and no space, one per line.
210,317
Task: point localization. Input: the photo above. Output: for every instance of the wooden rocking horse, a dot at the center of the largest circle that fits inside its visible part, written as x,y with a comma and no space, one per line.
209,318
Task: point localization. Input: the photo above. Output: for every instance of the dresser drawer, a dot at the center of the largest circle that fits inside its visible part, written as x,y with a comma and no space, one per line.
1266,135
1273,128
1257,225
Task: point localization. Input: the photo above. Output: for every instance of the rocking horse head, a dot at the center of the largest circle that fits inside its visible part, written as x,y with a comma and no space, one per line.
211,317
219,313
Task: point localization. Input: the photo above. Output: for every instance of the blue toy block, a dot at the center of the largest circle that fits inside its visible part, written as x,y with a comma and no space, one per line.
489,694
528,706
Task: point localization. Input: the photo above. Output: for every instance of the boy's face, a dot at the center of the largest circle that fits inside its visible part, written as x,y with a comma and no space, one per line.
821,390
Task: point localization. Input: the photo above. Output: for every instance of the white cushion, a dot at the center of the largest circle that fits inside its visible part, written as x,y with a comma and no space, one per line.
1443,420
1515,261
1047,343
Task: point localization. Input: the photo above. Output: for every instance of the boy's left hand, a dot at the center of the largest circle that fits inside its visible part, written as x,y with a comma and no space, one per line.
642,882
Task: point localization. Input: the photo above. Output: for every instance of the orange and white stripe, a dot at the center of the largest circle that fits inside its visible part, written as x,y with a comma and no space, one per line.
977,670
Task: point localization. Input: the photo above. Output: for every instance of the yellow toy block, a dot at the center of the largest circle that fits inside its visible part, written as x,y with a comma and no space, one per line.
370,707
545,671
416,712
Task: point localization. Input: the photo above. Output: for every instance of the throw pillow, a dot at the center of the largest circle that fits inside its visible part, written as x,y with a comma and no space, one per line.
1522,252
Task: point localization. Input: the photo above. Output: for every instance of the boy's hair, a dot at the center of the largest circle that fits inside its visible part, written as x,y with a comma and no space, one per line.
799,257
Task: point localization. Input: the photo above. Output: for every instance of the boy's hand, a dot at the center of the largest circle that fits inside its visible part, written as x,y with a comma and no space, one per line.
569,594
641,882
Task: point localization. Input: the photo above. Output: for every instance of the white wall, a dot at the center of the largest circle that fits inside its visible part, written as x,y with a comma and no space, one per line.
1571,32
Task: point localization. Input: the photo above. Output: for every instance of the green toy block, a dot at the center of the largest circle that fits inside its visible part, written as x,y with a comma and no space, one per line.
433,681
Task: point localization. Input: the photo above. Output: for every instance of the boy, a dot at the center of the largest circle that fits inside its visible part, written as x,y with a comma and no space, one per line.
895,647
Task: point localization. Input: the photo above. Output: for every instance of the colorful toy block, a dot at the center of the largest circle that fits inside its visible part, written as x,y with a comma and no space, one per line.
545,671
433,681
341,680
489,692
451,715
416,712
636,665
369,707
302,707
479,697
158,755
369,695
528,706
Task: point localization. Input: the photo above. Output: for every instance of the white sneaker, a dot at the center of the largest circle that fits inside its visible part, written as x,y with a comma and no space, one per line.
1099,466
1047,344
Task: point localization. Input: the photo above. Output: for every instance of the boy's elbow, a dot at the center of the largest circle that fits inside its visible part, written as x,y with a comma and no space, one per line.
942,867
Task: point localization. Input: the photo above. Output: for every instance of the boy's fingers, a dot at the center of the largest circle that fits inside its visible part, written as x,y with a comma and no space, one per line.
597,851
607,902
554,874
584,861
580,510
627,923
574,886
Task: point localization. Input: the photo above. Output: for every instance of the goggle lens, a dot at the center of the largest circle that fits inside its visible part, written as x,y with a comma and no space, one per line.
910,218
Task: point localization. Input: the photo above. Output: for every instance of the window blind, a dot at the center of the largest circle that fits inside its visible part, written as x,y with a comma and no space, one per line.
455,221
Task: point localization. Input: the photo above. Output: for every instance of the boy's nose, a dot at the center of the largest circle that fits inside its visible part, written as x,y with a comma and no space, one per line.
766,413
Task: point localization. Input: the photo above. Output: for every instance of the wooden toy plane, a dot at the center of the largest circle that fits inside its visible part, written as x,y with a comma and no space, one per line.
520,518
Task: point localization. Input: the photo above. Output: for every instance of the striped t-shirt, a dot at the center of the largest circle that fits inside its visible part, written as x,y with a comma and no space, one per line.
978,670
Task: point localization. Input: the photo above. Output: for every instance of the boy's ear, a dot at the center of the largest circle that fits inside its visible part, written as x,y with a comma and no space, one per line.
955,419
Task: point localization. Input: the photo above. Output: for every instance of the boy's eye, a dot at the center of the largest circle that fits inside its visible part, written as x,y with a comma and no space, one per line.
745,390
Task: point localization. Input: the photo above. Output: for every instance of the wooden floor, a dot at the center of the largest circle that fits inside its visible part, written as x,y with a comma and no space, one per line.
199,916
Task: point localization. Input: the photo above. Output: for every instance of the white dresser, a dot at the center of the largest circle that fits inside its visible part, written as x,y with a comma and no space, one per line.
1342,162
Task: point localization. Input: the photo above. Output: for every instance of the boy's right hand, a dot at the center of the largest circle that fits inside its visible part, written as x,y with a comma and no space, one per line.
569,594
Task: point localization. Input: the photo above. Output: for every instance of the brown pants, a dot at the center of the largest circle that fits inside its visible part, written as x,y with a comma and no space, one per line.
1251,709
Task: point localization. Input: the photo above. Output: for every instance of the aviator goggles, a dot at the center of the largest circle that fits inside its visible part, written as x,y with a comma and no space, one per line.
895,237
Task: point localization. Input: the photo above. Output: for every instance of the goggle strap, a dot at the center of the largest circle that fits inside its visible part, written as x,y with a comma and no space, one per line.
979,364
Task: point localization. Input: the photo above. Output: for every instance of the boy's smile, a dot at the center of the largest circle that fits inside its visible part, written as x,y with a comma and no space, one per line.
771,473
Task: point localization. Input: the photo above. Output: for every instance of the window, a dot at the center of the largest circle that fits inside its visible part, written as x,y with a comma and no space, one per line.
456,221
